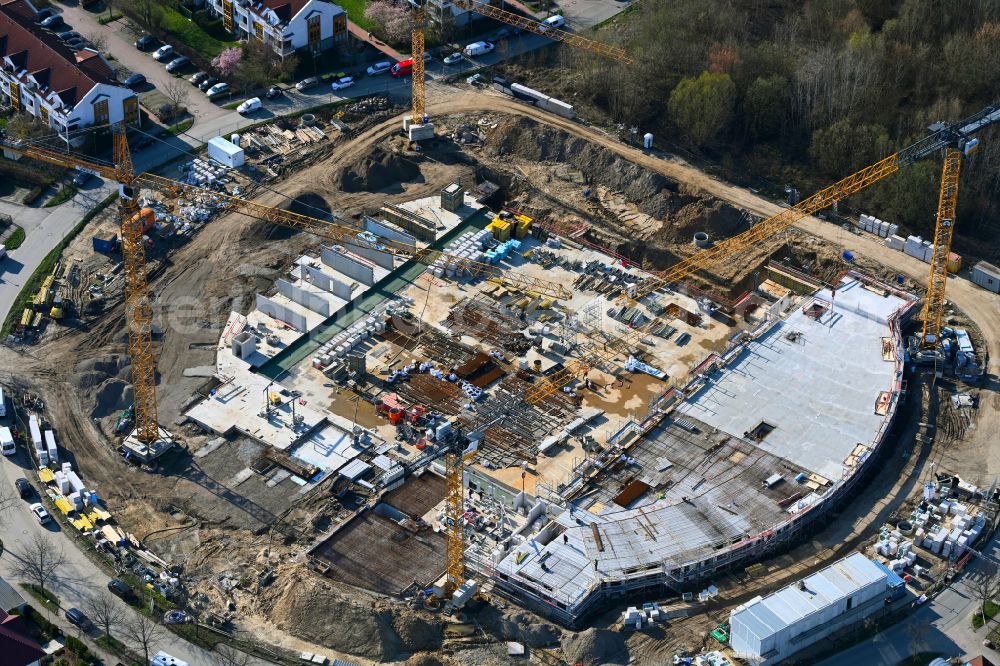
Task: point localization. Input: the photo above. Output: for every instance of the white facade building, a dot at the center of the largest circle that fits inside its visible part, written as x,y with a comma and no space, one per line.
64,89
767,630
286,26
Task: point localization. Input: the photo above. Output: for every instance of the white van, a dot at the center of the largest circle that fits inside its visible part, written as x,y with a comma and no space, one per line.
7,442
161,658
478,48
3,398
556,21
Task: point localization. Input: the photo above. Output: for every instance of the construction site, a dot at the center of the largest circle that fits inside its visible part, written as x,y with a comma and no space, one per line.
472,401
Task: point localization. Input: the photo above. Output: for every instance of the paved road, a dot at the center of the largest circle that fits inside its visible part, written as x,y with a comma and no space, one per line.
79,580
941,626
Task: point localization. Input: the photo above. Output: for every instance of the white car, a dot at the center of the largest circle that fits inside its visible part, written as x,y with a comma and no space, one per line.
379,68
478,49
453,58
556,21
249,106
220,88
40,513
340,84
161,54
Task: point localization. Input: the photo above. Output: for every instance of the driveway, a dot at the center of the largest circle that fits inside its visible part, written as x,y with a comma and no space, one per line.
120,44
79,580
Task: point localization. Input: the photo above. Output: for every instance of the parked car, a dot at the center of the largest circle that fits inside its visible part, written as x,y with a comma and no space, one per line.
198,77
453,58
69,34
134,81
41,515
497,35
44,13
145,42
208,83
306,84
164,53
249,106
77,44
274,91
143,142
379,68
119,588
218,90
478,48
178,63
556,21
81,178
51,21
76,617
23,488
342,83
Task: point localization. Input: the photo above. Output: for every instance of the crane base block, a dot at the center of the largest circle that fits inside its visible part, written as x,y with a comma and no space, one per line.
417,131
146,453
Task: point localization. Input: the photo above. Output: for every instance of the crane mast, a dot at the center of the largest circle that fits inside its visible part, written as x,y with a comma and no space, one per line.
944,230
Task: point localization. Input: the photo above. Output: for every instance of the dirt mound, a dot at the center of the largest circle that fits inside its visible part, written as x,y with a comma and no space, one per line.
529,630
108,365
113,396
380,171
316,611
525,138
88,380
429,660
595,646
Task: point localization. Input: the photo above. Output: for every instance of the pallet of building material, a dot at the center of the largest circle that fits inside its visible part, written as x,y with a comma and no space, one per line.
303,136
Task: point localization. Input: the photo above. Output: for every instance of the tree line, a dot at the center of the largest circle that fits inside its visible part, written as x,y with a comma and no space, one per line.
808,92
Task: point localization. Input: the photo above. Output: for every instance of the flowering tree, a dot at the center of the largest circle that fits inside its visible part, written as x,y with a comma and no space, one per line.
228,61
393,19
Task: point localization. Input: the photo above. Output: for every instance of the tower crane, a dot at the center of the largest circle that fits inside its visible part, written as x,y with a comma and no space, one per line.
415,123
954,139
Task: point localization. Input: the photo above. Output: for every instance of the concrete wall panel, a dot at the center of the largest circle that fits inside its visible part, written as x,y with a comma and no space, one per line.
309,299
281,313
328,282
349,266
386,230
377,257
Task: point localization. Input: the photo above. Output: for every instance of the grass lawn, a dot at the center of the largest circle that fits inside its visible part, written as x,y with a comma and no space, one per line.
15,239
977,614
182,126
66,193
208,44
356,12
42,594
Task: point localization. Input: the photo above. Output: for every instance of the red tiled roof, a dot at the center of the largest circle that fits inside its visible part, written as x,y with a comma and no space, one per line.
980,661
16,648
55,66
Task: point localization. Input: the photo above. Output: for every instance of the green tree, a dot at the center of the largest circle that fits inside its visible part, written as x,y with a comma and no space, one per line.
842,148
702,107
766,101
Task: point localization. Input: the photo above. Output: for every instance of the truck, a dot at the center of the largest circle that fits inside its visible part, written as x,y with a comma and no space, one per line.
7,444
402,68
478,48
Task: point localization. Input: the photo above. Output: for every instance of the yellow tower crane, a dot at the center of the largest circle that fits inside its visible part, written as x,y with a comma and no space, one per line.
955,139
415,123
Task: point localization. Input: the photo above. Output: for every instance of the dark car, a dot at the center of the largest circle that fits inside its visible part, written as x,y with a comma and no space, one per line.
119,588
51,21
69,34
198,77
134,81
23,488
143,142
208,83
273,91
178,64
44,14
145,42
77,618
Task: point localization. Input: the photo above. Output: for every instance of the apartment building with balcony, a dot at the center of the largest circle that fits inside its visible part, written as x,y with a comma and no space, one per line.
287,26
65,90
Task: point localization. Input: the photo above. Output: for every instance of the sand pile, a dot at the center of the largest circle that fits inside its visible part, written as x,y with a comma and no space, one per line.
529,630
595,646
106,380
378,171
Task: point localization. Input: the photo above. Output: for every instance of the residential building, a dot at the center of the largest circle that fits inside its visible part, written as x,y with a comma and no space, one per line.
446,15
768,630
17,648
287,26
64,89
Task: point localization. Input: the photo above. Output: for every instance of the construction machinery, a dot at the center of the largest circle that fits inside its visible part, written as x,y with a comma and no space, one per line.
955,139
417,125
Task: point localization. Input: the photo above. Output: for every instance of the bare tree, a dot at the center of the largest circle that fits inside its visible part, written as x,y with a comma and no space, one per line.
143,633
39,560
98,41
107,612
176,91
149,13
7,501
984,584
230,656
